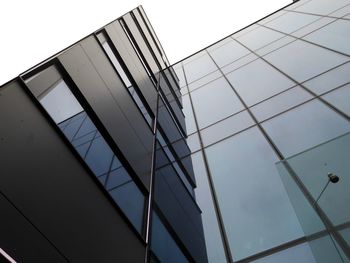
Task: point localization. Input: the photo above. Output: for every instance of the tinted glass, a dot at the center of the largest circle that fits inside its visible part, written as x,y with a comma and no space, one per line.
205,80
215,249
314,60
188,112
305,126
239,63
226,127
300,253
92,147
228,53
322,7
335,36
214,102
313,26
290,22
340,98
280,103
255,207
330,79
257,81
163,245
133,92
199,67
259,37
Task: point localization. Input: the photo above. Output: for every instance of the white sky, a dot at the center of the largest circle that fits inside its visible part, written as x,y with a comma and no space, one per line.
32,31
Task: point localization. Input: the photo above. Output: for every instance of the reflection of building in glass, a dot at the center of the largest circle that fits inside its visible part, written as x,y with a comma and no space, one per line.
108,154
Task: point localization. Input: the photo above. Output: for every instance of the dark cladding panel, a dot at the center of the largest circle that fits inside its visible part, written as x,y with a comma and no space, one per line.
21,241
144,28
180,210
153,33
141,43
177,142
96,89
118,91
47,183
132,62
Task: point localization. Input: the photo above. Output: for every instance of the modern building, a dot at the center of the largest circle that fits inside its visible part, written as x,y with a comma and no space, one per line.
238,153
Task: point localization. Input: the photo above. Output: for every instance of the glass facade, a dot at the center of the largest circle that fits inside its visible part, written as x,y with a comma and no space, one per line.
259,96
226,156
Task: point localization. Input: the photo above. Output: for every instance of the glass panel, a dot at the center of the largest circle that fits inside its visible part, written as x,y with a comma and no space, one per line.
134,94
213,241
163,245
60,102
199,67
206,79
188,112
180,74
335,36
272,17
298,254
322,7
341,12
255,207
275,45
172,160
257,81
193,142
259,37
228,53
314,60
312,168
329,80
279,103
214,101
244,31
305,126
226,127
239,63
84,136
290,22
314,26
346,235
340,98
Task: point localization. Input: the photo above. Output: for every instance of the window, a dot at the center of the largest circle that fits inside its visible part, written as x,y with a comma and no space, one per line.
64,108
123,75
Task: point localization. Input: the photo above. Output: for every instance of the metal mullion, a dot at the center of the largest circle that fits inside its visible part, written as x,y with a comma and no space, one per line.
155,58
148,228
324,218
304,40
217,211
341,113
322,16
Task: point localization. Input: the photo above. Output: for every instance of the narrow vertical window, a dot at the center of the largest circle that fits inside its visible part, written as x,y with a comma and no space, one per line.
69,115
123,75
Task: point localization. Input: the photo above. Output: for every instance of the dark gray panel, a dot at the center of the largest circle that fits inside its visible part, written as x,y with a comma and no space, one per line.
141,43
96,88
176,141
43,178
188,228
148,36
48,77
138,72
21,240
